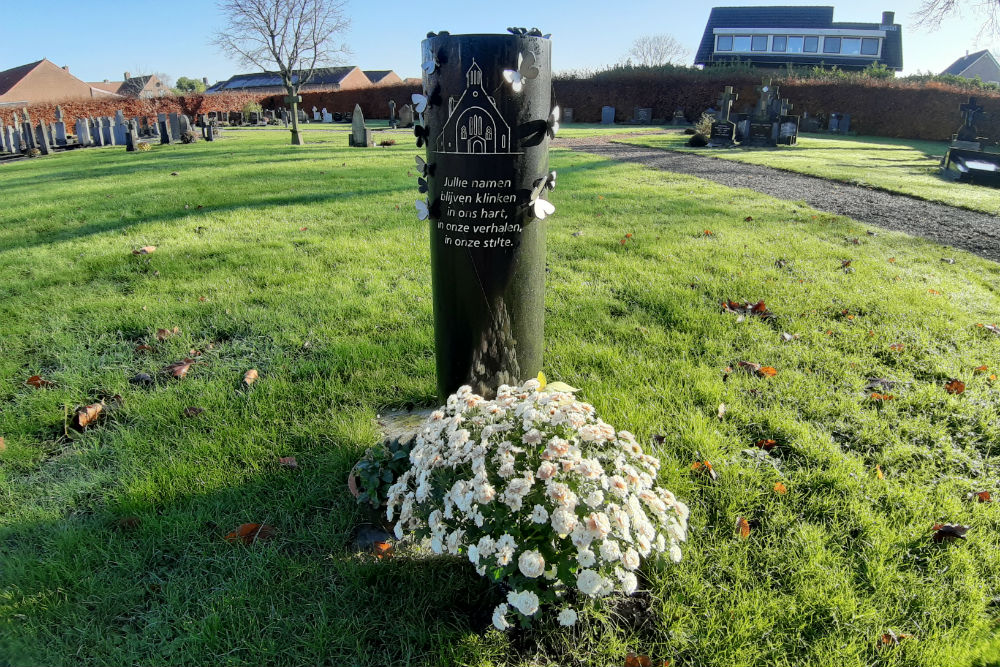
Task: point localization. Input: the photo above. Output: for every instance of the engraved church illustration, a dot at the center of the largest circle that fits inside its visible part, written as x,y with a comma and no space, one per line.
474,122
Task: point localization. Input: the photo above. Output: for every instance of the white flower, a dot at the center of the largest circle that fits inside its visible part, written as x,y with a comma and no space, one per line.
500,617
531,564
675,553
473,552
594,499
630,558
610,551
539,514
485,545
567,617
525,602
589,582
455,541
436,545
546,470
586,557
629,583
598,525
551,573
563,521
532,437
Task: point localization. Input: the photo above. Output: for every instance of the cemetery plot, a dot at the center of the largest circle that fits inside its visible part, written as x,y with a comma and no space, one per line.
200,503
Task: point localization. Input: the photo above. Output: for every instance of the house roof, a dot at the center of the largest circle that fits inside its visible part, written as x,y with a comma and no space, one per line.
11,77
965,62
322,76
790,18
376,75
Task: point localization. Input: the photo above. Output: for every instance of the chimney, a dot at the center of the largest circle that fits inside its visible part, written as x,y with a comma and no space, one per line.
66,67
888,18
204,80
128,76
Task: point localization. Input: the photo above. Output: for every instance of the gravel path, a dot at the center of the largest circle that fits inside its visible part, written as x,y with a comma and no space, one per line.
975,232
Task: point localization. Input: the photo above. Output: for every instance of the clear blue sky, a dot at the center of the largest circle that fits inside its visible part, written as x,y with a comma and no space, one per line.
100,39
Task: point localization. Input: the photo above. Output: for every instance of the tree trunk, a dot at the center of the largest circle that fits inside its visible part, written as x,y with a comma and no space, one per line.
296,135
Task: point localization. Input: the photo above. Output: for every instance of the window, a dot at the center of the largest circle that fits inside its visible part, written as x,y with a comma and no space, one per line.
741,43
795,45
758,43
869,46
725,43
850,46
831,45
810,44
779,43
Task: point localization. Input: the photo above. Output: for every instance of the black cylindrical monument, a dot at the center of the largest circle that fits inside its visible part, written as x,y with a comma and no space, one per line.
486,125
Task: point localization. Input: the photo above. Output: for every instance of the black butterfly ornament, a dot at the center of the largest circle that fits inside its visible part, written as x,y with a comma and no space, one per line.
422,185
421,133
541,208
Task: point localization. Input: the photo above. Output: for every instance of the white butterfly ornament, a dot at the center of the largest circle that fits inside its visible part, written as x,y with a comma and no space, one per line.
525,70
422,211
419,102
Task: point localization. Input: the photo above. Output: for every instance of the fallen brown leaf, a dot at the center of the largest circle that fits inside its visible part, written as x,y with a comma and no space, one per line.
288,462
382,549
87,415
38,382
143,348
705,468
3,445
766,444
954,386
163,334
192,411
250,377
248,533
780,488
145,250
633,660
979,370
742,528
879,473
980,496
897,347
179,369
949,532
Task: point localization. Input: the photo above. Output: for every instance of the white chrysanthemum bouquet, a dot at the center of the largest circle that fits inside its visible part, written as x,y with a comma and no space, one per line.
540,494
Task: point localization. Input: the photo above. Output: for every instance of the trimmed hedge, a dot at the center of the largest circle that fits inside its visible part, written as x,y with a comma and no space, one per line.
186,104
879,107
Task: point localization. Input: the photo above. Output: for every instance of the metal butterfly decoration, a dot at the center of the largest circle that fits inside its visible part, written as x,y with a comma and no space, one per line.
423,212
419,102
443,33
534,32
424,168
525,70
552,124
421,133
422,185
541,208
430,65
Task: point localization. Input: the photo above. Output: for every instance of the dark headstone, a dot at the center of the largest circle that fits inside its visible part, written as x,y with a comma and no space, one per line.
210,132
487,249
642,115
567,115
164,132
406,116
723,133
788,130
607,115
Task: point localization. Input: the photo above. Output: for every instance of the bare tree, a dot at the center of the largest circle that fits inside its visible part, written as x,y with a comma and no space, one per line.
294,36
654,50
932,12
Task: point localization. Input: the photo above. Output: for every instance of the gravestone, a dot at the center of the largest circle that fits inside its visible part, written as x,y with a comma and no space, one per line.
44,142
60,125
487,164
185,125
27,131
840,123
567,115
607,115
83,132
164,132
392,114
96,135
642,115
361,136
968,134
763,131
120,128
327,116
679,118
316,115
788,125
338,117
144,129
175,126
202,119
210,132
302,116
107,126
130,138
723,132
406,115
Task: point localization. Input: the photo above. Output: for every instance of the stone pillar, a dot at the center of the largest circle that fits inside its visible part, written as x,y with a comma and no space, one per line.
487,169
44,142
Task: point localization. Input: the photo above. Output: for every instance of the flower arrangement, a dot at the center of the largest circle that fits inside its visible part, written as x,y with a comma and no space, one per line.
539,494
143,146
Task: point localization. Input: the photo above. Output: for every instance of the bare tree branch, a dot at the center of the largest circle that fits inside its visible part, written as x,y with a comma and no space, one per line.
655,50
932,13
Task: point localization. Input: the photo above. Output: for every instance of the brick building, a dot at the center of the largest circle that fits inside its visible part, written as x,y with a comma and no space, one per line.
141,87
323,78
43,81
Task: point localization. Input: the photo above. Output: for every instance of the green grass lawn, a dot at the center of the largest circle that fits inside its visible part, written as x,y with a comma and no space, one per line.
308,264
908,166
